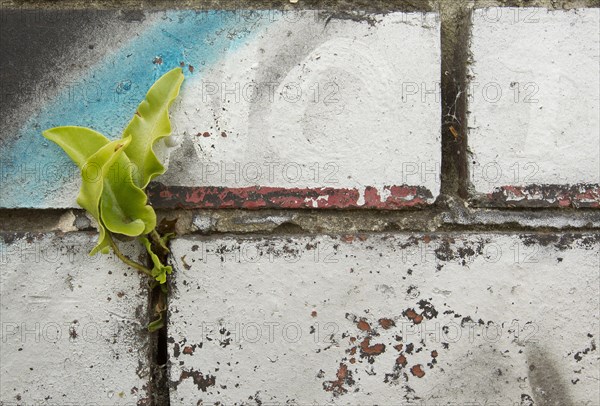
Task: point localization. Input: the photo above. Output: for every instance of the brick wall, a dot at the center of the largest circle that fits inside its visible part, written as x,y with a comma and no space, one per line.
397,205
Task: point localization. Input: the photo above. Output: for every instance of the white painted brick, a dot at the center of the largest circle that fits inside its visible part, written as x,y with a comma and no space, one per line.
239,304
72,325
534,98
310,103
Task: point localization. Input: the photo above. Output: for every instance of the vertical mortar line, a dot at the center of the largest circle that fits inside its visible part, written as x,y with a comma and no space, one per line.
158,352
463,60
455,37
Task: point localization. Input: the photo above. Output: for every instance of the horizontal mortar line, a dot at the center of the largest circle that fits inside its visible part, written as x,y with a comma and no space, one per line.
474,232
353,224
262,233
449,233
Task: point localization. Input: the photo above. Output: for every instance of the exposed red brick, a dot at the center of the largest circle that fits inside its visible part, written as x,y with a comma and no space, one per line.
344,376
386,323
577,196
363,325
348,238
259,197
414,316
370,350
417,371
202,382
401,360
342,372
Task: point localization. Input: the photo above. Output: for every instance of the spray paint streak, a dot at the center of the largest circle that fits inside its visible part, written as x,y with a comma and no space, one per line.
34,170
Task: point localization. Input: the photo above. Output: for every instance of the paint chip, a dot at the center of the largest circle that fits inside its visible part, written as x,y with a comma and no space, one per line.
417,371
363,325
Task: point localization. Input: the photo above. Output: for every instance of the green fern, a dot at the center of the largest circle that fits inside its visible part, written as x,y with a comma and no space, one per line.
116,173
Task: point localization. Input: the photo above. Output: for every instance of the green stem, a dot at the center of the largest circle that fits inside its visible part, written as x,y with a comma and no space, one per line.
158,240
126,260
155,234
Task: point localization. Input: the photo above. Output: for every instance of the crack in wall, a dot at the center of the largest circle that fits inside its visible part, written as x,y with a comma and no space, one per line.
159,357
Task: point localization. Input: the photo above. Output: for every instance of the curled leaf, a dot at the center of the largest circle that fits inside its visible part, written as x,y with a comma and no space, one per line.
93,173
123,206
164,240
156,324
161,242
150,123
79,143
160,271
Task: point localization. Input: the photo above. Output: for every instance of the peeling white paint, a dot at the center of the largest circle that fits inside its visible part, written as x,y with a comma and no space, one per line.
72,327
364,116
534,97
276,319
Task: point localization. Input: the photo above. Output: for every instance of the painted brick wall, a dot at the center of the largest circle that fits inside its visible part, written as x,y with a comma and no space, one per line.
378,204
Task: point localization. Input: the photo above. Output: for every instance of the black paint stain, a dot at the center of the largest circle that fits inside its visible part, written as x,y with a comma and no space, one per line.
548,385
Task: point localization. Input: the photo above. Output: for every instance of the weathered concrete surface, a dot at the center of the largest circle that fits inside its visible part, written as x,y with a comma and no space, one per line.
279,109
238,221
496,319
533,107
72,326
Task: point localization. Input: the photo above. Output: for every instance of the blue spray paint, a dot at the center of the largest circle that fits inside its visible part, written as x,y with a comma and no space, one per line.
106,97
